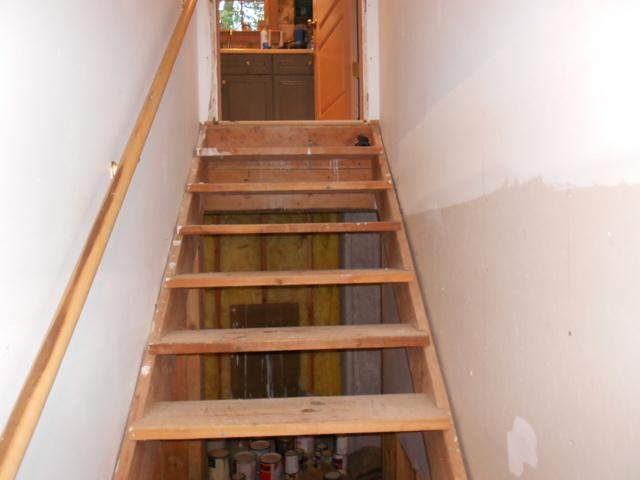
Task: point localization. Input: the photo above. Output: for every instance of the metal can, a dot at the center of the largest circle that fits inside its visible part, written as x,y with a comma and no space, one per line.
219,464
342,444
306,444
326,458
215,445
271,466
302,459
340,463
284,444
260,447
246,464
291,462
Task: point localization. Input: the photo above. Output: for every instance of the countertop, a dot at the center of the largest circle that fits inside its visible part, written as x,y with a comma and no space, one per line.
268,51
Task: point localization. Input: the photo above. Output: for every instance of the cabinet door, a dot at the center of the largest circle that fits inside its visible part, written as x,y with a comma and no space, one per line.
247,97
293,97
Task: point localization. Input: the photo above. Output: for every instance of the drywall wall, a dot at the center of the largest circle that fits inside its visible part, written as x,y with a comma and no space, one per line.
74,76
511,128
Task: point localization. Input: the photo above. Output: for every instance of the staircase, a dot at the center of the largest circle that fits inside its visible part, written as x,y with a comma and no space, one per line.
301,167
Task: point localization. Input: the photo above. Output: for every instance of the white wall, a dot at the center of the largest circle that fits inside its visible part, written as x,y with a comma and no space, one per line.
73,76
513,134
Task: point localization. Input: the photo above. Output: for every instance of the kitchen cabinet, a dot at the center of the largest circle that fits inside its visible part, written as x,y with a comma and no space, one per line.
267,86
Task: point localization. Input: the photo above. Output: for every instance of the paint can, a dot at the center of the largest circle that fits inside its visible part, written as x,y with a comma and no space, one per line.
342,445
306,444
284,444
291,462
246,464
340,463
215,445
302,459
260,447
326,459
219,464
271,466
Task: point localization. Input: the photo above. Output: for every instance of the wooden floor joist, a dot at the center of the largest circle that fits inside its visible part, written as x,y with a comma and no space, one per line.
289,416
289,187
289,278
289,228
335,337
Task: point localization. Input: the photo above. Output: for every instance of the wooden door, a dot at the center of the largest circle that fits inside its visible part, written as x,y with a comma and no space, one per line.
336,51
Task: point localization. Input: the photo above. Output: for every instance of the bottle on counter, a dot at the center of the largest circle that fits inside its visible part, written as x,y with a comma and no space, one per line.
264,37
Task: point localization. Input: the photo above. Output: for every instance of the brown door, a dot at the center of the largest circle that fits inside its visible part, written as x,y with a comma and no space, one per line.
336,52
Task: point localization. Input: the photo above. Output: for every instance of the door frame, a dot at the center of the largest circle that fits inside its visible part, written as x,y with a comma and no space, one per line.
215,106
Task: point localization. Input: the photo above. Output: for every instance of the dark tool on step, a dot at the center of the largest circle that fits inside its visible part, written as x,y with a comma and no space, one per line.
363,141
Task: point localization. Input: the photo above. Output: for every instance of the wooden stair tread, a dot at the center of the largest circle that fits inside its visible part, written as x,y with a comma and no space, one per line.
277,339
287,151
284,228
190,420
289,278
287,187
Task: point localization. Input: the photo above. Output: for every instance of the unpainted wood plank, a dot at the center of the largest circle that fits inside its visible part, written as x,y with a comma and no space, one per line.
289,187
338,337
288,164
153,381
228,151
290,176
339,202
289,228
443,448
265,136
288,278
289,416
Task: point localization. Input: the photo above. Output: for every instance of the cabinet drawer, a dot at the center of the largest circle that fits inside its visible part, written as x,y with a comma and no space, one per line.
292,64
246,64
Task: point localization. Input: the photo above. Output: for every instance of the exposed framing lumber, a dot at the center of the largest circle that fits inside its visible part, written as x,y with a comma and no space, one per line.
336,337
288,278
289,416
289,187
34,394
288,151
443,448
339,202
175,309
289,228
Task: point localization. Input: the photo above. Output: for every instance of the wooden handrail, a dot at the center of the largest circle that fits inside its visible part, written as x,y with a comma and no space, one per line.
28,408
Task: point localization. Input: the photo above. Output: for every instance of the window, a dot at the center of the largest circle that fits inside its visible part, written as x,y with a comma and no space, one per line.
241,15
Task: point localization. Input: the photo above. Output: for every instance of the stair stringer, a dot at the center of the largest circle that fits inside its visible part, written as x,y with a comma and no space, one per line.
443,448
166,377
